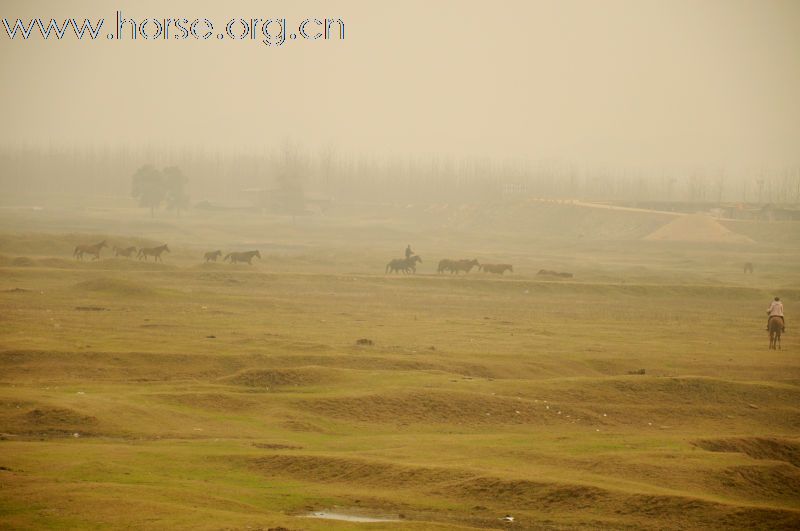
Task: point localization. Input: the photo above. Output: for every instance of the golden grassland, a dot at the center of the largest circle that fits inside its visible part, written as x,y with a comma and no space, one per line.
639,394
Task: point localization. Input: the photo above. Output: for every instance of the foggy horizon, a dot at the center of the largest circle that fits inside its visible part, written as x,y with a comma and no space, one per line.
648,87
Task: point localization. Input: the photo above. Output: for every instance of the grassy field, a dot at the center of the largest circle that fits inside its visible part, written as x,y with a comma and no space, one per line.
639,394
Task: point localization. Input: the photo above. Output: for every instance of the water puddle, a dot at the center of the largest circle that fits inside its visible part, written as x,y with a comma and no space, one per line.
349,517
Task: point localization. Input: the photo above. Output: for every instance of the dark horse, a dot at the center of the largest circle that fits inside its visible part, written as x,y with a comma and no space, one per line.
242,257
155,252
775,327
406,265
456,266
93,250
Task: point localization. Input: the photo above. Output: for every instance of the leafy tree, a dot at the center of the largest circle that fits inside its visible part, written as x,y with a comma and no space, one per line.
148,187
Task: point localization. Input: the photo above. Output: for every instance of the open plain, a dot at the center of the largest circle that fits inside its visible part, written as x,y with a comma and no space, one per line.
639,394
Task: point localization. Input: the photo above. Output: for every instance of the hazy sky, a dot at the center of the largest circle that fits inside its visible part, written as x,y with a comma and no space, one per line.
637,83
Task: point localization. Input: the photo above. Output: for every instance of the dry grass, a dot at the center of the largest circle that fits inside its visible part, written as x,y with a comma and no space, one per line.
638,395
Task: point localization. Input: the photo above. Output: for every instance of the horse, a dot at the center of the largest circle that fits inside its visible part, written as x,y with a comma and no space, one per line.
748,268
498,269
212,256
242,257
406,265
552,273
94,250
155,252
775,328
456,266
126,252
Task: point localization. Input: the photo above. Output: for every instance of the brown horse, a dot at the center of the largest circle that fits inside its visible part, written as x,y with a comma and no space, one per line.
456,266
775,328
242,257
497,269
93,250
404,265
155,252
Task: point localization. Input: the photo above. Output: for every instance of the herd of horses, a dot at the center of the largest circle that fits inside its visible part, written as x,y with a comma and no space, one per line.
235,258
409,266
142,253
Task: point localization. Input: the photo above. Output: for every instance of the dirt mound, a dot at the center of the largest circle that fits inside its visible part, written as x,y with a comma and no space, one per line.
697,391
521,495
49,421
300,376
363,472
433,407
58,416
696,228
114,286
756,447
207,401
778,483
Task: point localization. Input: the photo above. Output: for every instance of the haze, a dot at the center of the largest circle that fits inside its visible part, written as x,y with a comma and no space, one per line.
654,86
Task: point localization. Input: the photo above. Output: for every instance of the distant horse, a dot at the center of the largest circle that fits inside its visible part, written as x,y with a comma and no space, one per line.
548,272
498,269
775,328
242,257
155,252
456,266
93,250
212,256
406,265
748,267
126,252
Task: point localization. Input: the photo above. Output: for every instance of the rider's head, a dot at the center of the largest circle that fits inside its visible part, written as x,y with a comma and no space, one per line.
777,298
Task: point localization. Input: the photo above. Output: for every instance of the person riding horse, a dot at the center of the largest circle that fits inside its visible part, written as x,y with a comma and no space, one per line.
776,310
409,252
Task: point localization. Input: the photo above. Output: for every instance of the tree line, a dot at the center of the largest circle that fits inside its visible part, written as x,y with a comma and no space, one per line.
286,176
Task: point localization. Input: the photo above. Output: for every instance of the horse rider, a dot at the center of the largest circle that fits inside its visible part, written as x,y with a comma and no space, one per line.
776,310
409,252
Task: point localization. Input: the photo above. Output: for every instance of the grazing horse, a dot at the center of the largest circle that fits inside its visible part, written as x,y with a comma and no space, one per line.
456,266
212,256
93,250
775,327
406,265
155,252
748,268
498,269
242,257
126,252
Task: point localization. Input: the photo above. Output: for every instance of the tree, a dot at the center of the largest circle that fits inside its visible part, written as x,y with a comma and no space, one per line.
291,194
148,187
175,186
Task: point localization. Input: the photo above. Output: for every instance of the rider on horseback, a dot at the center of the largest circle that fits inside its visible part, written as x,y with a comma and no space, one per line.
409,252
776,310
